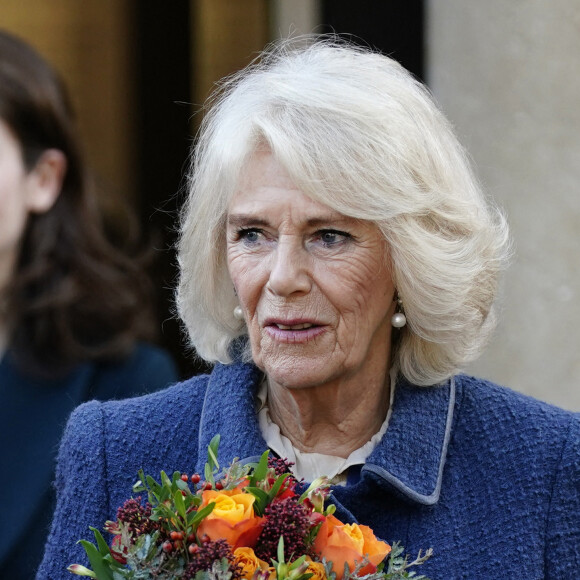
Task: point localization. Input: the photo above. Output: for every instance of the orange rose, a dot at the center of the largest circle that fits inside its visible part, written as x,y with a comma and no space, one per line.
347,544
316,569
248,562
232,518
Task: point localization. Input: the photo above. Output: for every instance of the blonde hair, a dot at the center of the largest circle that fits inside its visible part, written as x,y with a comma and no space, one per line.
355,131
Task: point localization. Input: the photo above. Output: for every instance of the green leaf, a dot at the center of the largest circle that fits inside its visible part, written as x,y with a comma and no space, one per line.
165,481
212,465
101,543
164,511
179,503
153,485
262,499
164,494
194,500
154,490
208,473
212,452
199,515
277,485
280,551
297,563
259,493
100,567
180,484
261,469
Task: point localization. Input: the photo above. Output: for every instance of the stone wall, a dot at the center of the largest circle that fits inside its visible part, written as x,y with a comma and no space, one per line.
507,75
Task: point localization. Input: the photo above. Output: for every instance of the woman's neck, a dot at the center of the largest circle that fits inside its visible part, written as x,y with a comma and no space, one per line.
334,418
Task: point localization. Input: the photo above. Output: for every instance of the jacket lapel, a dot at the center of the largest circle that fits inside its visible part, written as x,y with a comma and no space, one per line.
412,453
229,410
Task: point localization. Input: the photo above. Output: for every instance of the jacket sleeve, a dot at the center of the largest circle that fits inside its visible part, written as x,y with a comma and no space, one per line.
81,487
563,526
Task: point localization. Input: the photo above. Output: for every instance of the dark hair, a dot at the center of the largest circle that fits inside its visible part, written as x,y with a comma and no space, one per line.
73,296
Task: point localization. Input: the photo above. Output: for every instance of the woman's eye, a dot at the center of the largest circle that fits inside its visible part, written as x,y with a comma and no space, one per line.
249,236
333,237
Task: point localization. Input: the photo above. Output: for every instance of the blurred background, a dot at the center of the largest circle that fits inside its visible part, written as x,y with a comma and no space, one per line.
505,73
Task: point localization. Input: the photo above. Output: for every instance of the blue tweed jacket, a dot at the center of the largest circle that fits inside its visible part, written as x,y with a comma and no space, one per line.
489,478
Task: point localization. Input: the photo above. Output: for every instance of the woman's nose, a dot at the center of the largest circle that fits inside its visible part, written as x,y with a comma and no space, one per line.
289,272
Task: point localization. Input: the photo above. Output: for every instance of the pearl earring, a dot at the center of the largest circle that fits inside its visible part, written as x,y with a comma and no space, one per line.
398,320
238,313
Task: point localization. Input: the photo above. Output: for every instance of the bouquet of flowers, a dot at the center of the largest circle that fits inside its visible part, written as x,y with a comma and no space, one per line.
250,523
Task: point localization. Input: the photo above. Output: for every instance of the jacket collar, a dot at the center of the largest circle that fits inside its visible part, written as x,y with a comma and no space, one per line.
410,457
412,453
229,410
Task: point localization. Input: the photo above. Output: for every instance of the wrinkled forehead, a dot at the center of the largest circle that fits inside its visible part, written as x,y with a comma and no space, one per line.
264,183
262,169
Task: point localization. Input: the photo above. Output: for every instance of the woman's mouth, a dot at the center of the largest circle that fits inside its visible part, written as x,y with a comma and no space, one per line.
294,326
293,332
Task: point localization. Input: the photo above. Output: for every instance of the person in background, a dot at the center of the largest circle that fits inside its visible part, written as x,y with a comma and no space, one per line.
339,265
74,309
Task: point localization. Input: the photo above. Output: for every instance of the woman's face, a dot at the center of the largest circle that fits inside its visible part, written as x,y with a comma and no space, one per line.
13,199
313,284
23,192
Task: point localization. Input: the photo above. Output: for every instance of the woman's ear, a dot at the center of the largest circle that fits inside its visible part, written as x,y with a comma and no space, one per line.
44,181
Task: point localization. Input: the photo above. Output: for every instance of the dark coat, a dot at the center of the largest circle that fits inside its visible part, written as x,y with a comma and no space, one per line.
33,413
490,479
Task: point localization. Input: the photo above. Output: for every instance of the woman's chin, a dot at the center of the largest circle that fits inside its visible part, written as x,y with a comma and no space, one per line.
296,365
296,373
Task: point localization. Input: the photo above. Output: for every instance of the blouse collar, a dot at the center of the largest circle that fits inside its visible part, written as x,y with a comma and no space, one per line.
309,466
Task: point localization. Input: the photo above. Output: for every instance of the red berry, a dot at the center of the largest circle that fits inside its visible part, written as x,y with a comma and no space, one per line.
184,477
219,485
195,478
193,549
167,546
206,486
176,535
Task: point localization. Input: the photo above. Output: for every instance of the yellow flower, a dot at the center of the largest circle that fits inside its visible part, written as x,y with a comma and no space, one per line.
248,562
232,518
317,570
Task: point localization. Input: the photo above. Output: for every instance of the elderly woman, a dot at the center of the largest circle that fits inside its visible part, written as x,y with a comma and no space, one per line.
339,265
